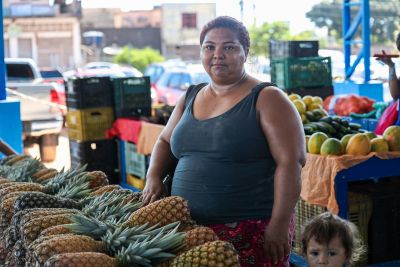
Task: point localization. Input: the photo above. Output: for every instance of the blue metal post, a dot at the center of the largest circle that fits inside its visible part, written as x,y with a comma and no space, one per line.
345,27
366,39
3,94
350,29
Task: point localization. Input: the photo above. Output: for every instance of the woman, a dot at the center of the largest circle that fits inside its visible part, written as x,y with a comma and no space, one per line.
394,81
239,148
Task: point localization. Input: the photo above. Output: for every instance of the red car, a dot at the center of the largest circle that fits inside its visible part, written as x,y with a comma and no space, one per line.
174,82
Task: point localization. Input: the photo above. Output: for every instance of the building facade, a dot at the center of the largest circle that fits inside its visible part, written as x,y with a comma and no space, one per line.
181,27
36,30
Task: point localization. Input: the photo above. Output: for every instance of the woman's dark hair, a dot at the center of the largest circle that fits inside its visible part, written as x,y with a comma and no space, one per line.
398,41
326,226
229,23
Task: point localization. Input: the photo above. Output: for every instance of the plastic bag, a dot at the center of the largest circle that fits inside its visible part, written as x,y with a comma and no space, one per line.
389,117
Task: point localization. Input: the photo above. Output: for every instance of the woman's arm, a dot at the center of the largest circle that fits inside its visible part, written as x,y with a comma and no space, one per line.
394,86
283,129
161,160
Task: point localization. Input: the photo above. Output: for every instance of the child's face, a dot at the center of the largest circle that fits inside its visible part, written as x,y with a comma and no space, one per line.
327,255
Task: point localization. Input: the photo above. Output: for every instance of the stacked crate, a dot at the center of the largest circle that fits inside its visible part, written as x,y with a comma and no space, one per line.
90,114
297,68
132,99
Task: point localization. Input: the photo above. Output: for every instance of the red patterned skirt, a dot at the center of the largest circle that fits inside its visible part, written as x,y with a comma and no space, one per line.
248,239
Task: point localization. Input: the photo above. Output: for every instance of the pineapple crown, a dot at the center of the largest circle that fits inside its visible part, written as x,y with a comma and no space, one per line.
21,172
89,226
122,237
54,185
152,249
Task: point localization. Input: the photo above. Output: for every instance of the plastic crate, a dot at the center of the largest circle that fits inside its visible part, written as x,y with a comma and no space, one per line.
90,92
322,92
301,72
100,155
293,49
132,97
360,208
135,181
135,163
89,124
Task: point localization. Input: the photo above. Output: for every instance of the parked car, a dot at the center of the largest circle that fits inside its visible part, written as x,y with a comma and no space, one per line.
55,78
41,123
155,70
101,69
174,82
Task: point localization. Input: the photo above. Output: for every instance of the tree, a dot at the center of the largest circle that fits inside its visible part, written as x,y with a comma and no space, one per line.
384,18
279,30
260,36
139,58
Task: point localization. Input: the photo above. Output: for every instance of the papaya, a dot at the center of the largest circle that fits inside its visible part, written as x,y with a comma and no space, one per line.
315,142
331,146
300,106
358,144
307,139
345,139
379,145
392,137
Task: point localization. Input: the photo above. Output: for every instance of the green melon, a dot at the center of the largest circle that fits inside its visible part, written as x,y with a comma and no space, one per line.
331,146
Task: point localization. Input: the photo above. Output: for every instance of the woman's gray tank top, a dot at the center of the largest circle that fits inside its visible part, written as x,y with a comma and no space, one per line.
225,169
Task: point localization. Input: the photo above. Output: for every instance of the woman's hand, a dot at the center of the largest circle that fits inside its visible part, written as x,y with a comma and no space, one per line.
385,59
154,190
276,242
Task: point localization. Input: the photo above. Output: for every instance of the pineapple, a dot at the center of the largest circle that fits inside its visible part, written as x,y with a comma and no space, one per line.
56,230
104,189
81,259
22,217
21,187
7,210
3,253
211,254
42,176
63,244
197,236
17,255
8,184
98,179
161,212
31,230
3,180
41,200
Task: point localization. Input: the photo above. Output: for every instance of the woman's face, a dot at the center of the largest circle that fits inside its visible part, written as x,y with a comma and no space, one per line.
222,55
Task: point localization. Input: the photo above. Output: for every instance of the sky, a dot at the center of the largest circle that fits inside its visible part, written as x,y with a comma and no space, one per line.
292,11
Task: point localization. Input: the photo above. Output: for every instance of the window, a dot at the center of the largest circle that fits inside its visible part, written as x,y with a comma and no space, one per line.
189,20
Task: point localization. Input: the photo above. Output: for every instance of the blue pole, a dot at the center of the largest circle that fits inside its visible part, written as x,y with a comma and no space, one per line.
346,39
3,94
366,39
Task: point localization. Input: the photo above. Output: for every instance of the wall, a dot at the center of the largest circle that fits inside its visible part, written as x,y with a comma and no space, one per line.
173,35
51,42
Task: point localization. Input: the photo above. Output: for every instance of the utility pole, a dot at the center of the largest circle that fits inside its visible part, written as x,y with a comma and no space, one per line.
241,10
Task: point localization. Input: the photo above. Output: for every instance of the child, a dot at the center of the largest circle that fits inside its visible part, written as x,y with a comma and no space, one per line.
331,241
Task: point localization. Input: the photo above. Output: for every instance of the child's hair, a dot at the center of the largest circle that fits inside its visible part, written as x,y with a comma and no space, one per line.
326,226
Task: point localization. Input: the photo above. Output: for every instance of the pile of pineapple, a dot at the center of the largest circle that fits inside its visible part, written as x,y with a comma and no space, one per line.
75,218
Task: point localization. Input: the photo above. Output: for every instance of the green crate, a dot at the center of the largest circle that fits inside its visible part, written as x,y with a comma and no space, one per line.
132,96
303,72
135,163
89,124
